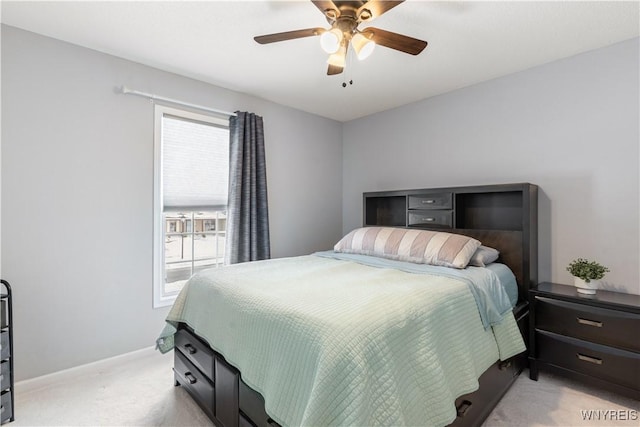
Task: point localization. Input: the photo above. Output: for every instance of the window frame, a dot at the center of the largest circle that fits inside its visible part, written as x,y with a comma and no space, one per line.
160,298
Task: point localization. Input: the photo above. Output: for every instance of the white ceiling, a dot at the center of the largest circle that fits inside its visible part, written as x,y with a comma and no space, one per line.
469,42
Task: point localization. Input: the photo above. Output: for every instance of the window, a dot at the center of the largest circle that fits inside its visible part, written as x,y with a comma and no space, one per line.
191,181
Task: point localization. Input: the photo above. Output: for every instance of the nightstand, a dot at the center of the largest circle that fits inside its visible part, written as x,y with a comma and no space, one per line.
595,338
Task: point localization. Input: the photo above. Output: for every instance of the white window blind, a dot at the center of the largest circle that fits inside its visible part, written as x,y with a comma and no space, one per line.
195,164
190,186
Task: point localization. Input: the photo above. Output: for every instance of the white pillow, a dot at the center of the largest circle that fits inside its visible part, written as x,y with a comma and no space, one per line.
417,246
484,255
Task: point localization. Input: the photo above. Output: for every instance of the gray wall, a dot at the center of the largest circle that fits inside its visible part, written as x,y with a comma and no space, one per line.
77,178
77,182
570,126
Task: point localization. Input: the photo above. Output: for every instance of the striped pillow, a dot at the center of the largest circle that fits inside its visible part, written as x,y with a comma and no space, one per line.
417,246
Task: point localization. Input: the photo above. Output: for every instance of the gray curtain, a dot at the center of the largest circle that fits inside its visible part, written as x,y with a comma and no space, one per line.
247,212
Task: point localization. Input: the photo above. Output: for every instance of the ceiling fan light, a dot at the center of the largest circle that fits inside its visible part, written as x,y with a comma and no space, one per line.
330,40
363,46
338,59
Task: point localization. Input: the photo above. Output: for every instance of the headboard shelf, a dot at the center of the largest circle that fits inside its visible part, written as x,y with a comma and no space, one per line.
388,211
503,216
492,211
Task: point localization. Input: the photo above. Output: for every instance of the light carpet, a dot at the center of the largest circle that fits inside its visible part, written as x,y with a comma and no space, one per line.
138,390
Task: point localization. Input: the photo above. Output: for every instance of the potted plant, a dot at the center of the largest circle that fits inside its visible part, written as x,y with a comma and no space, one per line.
585,272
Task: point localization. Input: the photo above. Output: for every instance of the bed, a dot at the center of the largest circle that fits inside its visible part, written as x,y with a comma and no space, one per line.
351,338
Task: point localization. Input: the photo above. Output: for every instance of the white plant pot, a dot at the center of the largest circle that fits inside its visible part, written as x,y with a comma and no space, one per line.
584,287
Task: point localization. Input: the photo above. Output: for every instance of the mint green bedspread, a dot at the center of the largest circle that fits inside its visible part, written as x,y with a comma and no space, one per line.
337,343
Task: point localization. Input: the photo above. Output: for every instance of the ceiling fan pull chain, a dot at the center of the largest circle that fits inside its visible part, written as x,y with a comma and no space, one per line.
348,63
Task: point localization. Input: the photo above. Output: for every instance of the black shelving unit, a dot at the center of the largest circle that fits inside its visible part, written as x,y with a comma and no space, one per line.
6,354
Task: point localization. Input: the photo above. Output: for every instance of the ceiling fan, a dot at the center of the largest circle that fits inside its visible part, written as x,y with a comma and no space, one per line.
344,18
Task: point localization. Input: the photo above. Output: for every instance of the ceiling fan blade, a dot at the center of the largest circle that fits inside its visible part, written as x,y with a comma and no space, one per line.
334,69
325,5
377,7
289,35
394,40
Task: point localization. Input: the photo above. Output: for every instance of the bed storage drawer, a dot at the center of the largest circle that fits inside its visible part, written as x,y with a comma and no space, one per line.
244,422
198,386
431,201
433,218
473,408
607,363
252,404
595,324
196,351
5,407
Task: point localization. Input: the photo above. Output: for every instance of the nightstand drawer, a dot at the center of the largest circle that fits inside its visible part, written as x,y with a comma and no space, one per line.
599,325
617,366
194,382
195,351
434,218
431,201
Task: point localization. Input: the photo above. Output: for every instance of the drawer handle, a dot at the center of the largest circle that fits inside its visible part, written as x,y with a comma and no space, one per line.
1,409
191,349
428,219
189,376
589,322
504,365
463,408
589,359
428,201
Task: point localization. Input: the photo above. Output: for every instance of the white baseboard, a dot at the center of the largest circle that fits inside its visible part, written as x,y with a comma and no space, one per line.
48,380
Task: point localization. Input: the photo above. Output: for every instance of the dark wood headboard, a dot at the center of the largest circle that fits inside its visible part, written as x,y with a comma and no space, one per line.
503,216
